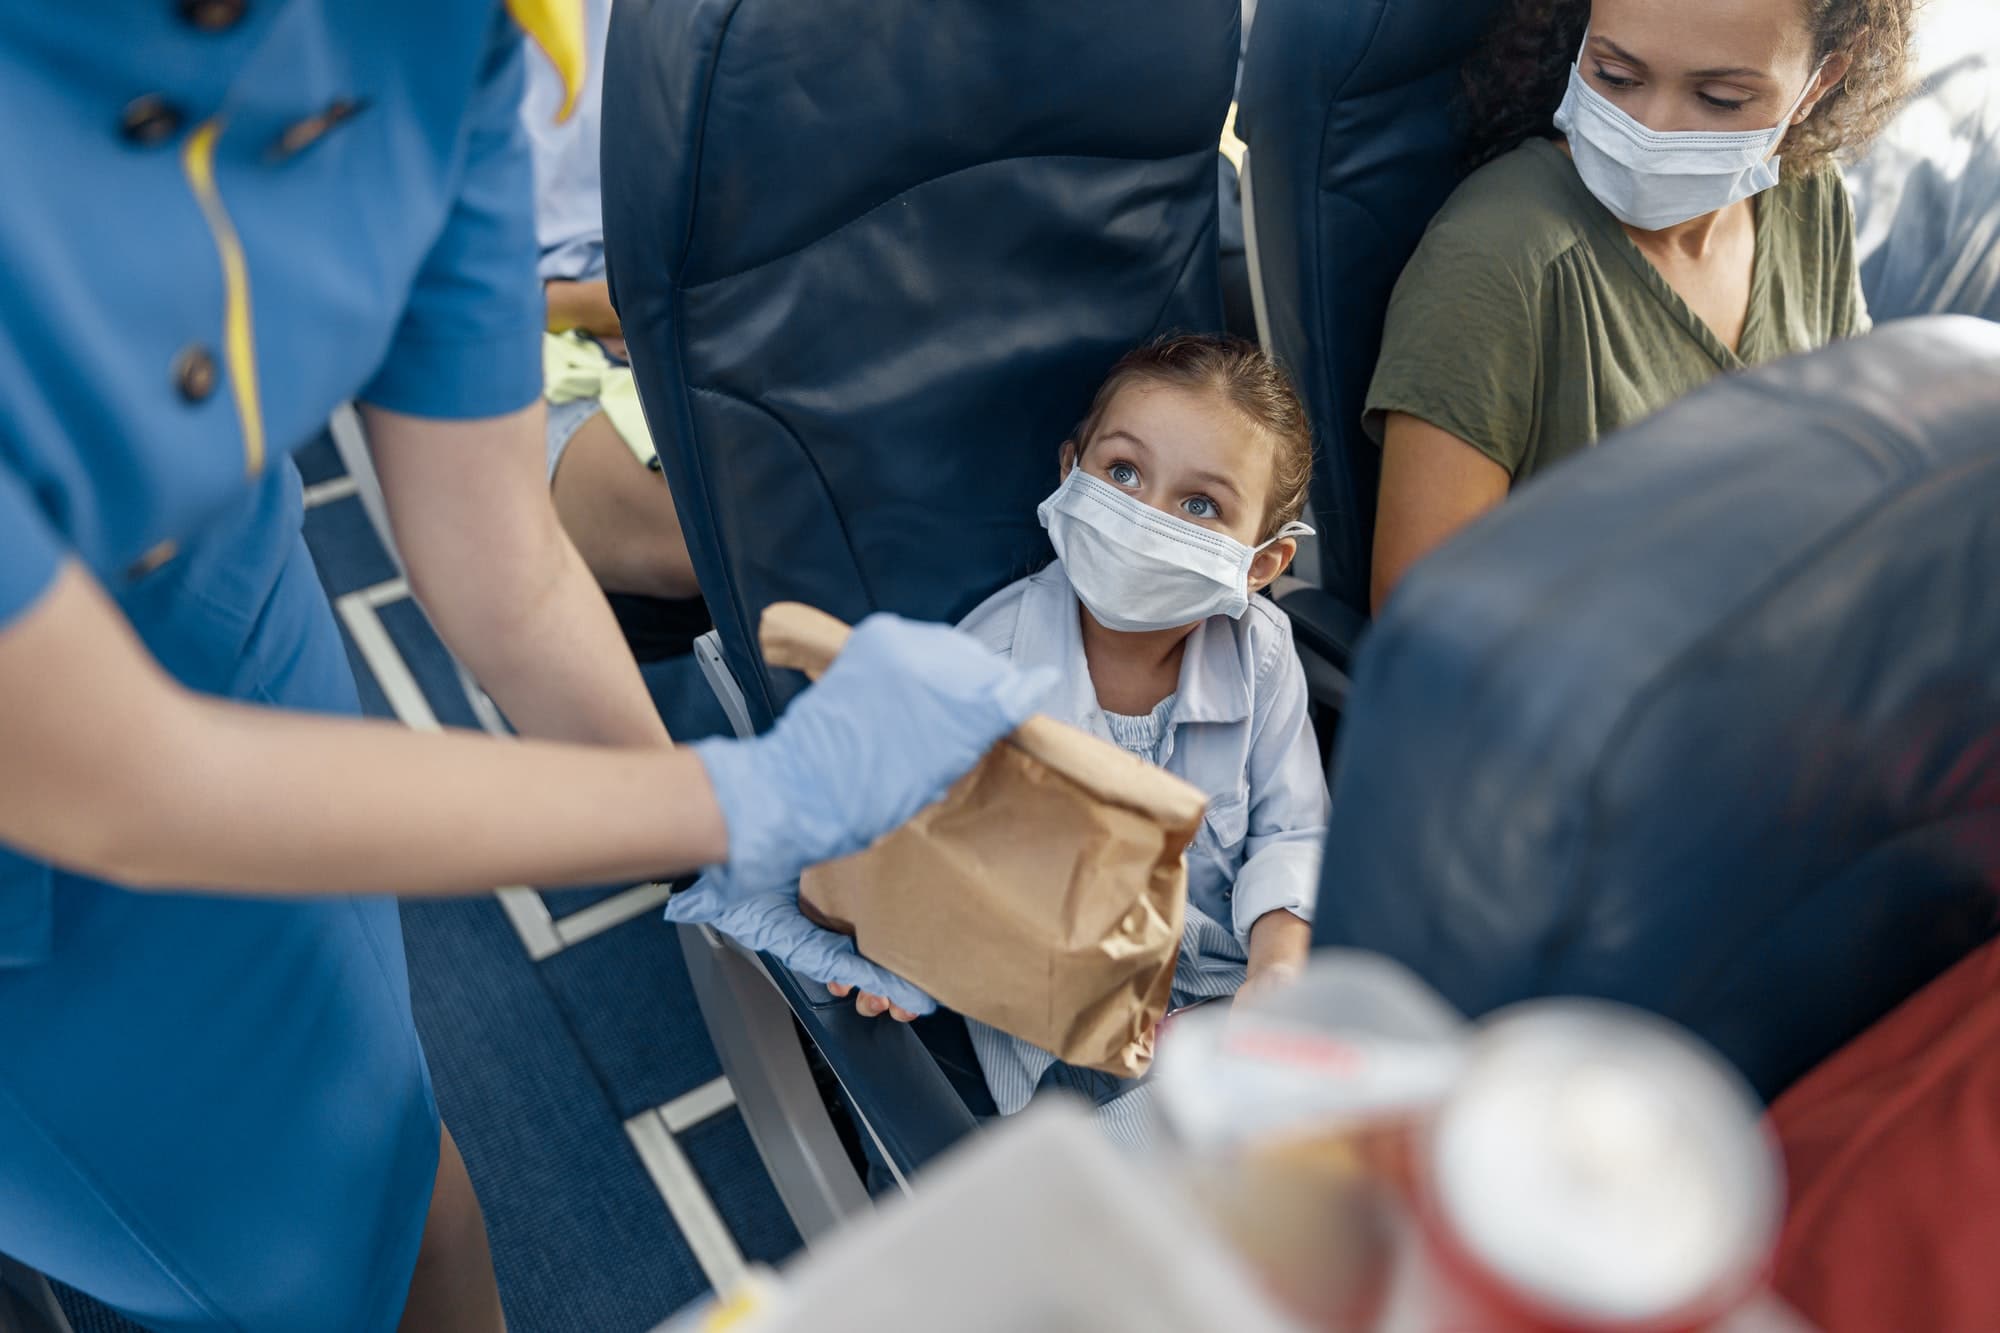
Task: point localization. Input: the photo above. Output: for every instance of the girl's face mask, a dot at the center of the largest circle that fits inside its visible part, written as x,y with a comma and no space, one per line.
1138,569
1652,180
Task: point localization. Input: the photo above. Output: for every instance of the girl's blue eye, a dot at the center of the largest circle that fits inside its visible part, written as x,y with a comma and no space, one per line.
1200,506
1124,474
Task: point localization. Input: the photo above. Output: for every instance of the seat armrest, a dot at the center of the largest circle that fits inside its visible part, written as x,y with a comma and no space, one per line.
1328,632
890,1077
903,1098
1321,622
27,1302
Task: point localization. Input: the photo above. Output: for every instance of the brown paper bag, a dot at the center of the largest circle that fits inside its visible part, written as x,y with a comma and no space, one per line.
1043,895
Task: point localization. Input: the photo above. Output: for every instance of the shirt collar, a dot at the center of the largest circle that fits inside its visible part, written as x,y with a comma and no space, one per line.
1213,686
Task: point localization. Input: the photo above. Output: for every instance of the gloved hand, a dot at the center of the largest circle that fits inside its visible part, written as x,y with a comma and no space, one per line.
770,922
904,712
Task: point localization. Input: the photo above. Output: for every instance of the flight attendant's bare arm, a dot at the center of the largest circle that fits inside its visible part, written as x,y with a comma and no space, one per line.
110,768
487,557
113,770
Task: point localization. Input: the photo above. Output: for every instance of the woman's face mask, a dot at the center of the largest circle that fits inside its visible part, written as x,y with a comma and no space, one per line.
1138,569
1652,180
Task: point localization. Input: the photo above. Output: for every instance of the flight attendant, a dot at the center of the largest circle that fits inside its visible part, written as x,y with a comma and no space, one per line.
223,218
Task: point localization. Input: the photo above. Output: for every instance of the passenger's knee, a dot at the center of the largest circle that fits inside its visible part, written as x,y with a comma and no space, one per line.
668,570
647,556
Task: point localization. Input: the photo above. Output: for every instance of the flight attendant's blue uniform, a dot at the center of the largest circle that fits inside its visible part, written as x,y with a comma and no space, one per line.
219,220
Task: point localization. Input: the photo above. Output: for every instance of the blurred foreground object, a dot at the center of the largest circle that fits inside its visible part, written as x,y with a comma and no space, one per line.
1351,1158
1593,1168
1038,1226
1566,1165
1893,1148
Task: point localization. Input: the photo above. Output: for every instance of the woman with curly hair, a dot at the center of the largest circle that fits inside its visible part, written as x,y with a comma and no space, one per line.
1654,203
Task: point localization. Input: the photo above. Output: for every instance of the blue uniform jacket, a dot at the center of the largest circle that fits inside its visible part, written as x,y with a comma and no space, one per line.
219,222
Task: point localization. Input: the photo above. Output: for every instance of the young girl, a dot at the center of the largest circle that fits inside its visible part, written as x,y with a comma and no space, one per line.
1179,500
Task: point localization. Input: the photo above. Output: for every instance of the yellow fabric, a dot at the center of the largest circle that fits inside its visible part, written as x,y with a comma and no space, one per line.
736,1311
239,348
557,27
574,367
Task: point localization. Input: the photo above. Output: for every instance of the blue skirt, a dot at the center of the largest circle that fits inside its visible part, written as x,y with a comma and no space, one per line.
215,1113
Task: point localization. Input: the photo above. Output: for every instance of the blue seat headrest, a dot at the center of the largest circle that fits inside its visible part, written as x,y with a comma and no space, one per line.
1707,720
1347,111
872,258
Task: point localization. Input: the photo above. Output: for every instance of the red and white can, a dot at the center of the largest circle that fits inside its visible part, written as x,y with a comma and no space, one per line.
1592,1170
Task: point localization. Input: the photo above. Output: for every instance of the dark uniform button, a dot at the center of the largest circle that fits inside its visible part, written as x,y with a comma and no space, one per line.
303,134
152,560
194,372
149,120
213,15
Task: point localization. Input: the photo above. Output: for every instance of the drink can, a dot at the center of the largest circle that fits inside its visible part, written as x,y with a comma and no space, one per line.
1592,1170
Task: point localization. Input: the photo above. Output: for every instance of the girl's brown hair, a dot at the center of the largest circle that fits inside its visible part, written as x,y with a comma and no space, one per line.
1251,382
1515,81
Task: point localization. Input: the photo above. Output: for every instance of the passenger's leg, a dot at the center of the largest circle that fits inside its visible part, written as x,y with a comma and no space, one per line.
621,516
453,1289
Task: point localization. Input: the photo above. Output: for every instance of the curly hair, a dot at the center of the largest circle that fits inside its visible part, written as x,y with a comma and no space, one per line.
1515,81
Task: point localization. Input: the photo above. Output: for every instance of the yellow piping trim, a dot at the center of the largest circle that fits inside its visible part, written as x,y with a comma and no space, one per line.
557,27
239,349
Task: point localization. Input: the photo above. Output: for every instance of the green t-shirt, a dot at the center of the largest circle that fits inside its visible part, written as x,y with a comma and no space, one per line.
1529,325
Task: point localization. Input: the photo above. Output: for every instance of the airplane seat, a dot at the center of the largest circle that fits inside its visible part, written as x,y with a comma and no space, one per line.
1347,114
28,1302
872,258
1707,721
1239,311
1926,192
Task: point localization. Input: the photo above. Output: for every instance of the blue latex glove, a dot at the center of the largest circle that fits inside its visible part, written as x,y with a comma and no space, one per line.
770,922
904,711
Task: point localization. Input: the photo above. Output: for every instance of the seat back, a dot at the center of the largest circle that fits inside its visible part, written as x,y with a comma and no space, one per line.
873,257
1347,112
1926,190
1707,721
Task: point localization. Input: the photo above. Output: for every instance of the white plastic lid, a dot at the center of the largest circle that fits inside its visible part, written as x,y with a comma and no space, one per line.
1355,1038
1604,1165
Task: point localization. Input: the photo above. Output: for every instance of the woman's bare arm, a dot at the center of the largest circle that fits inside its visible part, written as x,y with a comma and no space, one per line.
498,576
112,769
1433,484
